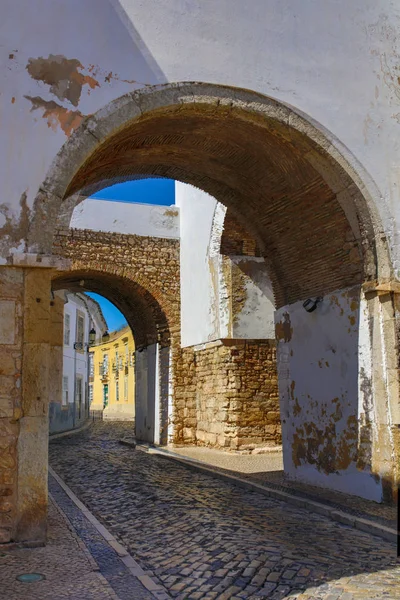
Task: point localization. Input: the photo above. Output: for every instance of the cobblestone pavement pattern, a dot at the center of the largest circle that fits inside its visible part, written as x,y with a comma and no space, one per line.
202,538
267,469
69,572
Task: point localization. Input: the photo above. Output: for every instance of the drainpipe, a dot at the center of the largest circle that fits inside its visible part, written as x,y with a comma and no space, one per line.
74,411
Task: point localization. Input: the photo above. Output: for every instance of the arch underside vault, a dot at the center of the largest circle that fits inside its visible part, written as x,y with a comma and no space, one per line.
268,174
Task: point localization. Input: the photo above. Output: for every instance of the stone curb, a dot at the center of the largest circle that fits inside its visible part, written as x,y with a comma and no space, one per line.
135,569
340,516
55,436
79,541
85,550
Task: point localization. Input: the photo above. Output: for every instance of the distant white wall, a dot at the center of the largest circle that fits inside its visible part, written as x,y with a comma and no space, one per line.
198,307
75,363
123,217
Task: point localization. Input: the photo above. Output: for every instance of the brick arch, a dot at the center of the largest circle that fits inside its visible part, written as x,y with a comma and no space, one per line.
236,240
286,179
141,309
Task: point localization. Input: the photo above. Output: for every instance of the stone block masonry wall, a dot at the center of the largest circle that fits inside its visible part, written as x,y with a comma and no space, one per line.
142,274
25,335
224,394
227,396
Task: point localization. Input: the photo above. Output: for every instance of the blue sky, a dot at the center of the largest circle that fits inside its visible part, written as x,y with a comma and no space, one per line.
114,318
145,191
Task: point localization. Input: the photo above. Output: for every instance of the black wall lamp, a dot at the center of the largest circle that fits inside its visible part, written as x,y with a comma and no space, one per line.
82,345
311,304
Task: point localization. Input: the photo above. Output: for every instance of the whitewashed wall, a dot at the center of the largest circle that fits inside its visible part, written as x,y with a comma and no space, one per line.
121,217
199,303
335,60
255,320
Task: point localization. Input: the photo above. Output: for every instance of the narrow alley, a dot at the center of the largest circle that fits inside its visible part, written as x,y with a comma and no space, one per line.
199,537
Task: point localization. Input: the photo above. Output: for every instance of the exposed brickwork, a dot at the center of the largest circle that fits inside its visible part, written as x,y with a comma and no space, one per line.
236,240
227,396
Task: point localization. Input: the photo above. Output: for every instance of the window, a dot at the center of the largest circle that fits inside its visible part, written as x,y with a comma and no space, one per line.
116,364
117,391
80,328
126,387
126,358
104,366
105,395
67,329
90,393
91,364
65,391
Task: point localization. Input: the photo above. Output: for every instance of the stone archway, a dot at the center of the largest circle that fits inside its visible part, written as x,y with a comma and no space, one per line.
252,153
145,288
311,208
304,201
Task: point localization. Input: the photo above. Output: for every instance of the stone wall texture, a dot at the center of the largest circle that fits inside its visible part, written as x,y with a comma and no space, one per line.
140,275
226,396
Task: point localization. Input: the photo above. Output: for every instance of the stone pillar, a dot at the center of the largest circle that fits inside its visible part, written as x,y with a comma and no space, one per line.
25,337
383,302
56,363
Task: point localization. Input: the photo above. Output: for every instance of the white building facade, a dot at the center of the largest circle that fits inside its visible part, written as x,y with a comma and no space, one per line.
81,315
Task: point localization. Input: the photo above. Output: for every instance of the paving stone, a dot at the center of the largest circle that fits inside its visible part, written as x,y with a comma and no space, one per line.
170,517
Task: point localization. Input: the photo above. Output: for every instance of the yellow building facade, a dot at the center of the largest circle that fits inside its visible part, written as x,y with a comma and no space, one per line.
112,377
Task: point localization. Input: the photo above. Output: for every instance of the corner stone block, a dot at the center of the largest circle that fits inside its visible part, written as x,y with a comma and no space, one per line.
7,321
37,306
35,386
32,480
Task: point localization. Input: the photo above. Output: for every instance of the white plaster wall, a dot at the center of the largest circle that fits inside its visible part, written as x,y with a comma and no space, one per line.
318,384
74,362
146,393
335,60
199,304
121,217
90,32
256,319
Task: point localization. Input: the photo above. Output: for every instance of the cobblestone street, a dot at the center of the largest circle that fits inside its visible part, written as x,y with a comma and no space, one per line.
200,537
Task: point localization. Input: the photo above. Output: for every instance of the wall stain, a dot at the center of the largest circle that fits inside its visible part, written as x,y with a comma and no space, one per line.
62,75
171,213
57,115
14,228
283,329
323,447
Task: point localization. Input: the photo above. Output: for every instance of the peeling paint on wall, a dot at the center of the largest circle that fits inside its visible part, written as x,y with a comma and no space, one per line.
57,115
62,75
13,229
283,329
